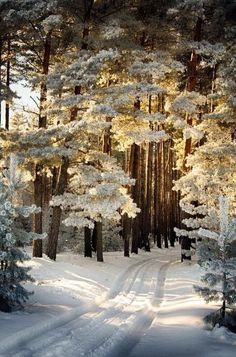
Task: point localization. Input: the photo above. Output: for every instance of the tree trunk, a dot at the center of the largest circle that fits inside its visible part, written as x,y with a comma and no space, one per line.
56,212
38,187
155,194
94,239
39,181
159,201
7,109
135,173
171,197
98,226
126,221
43,87
143,193
87,243
135,154
223,310
60,189
97,232
0,81
51,250
126,233
191,85
164,207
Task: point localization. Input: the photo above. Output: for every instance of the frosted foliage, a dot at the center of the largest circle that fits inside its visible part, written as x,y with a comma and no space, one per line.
211,173
13,168
187,102
223,219
217,258
154,66
85,70
12,274
112,30
51,22
156,117
178,122
212,53
208,234
193,133
192,7
97,192
148,136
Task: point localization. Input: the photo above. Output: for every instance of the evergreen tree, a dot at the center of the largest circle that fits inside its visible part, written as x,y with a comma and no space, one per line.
215,256
12,274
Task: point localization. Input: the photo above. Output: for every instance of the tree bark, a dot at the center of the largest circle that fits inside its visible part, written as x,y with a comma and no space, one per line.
56,212
87,243
191,85
126,221
135,155
38,200
1,80
7,109
98,226
135,173
39,181
126,233
94,240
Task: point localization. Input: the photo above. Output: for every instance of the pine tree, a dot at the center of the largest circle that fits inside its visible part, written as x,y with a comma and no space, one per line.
215,256
12,293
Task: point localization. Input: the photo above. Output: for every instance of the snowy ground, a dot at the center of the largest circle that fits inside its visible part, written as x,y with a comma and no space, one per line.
138,306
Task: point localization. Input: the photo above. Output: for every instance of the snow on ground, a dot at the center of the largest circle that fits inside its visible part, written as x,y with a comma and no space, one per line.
178,328
138,306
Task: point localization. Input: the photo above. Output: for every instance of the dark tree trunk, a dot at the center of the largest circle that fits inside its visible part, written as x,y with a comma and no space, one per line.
43,87
98,226
39,180
4,305
56,212
164,197
87,243
159,201
51,250
94,239
155,195
135,173
222,310
126,234
135,155
38,200
143,193
126,221
191,84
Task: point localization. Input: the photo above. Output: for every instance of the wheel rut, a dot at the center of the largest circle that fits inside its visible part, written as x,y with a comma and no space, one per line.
115,326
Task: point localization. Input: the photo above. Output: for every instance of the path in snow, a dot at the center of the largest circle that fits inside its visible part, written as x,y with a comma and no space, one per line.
111,328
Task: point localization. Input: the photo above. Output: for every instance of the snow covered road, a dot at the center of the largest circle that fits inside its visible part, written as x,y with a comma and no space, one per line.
111,328
143,306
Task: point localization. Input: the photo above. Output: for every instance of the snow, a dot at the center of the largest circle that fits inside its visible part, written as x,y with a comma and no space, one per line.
138,306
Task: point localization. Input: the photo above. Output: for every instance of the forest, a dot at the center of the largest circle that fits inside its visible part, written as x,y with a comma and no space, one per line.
118,133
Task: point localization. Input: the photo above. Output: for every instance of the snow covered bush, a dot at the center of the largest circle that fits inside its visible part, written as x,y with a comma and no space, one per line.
216,258
12,274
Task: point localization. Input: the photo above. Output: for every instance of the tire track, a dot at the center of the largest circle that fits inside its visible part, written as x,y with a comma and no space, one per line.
70,320
128,335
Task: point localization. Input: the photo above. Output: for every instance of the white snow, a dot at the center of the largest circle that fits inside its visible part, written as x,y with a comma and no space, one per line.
138,306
